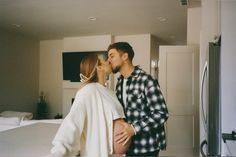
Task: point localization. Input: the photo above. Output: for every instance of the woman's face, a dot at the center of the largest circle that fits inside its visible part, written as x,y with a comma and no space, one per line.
106,66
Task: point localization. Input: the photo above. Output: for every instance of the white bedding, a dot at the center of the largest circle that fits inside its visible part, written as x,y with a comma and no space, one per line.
13,119
7,125
30,139
20,115
28,122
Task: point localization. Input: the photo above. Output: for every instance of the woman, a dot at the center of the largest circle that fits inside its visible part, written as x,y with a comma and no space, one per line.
88,128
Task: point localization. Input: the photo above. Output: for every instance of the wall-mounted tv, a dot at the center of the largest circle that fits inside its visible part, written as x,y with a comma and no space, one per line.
71,64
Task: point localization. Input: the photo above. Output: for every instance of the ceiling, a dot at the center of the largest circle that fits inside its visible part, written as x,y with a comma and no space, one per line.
55,19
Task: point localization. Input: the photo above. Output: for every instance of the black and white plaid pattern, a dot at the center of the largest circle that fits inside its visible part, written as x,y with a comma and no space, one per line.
146,110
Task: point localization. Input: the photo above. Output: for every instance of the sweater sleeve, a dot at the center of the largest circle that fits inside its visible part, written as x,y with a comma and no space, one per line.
67,139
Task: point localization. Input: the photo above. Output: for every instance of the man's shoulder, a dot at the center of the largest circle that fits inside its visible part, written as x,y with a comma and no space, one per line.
143,74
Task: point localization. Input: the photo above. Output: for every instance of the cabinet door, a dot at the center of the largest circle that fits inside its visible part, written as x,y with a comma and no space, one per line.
179,82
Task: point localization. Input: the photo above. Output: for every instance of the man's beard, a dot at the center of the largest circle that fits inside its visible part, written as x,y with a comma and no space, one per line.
116,69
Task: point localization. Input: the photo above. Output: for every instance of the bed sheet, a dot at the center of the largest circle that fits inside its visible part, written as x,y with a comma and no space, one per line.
28,122
8,127
33,140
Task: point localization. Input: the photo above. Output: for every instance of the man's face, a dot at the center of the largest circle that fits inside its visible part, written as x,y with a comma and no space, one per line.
115,59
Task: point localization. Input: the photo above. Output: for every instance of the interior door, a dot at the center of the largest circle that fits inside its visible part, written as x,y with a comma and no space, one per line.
179,82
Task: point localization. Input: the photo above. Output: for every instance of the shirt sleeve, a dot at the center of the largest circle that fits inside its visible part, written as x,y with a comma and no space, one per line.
66,141
158,110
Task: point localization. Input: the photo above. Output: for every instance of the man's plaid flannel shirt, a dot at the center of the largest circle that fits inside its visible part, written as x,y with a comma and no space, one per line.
146,110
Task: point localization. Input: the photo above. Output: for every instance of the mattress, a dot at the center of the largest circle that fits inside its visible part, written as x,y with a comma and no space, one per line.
28,141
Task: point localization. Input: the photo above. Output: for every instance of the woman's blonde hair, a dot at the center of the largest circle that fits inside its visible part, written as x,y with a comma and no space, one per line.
88,66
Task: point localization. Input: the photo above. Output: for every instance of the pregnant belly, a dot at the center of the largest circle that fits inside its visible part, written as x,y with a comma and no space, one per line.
119,148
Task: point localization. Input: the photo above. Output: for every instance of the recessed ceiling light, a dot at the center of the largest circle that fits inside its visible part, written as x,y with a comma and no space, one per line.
162,19
92,18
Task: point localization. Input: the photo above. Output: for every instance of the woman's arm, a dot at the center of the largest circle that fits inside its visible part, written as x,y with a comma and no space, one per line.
67,139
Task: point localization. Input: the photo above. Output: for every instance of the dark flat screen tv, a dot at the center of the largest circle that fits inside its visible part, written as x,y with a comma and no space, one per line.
71,64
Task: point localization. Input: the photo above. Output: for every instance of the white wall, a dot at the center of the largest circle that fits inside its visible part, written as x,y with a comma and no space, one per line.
50,74
228,73
19,69
210,26
87,43
194,25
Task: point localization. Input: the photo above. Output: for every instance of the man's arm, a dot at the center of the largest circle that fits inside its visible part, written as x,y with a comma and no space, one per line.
158,109
125,134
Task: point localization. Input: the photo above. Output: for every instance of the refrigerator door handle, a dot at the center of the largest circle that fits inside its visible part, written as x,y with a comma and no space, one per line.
203,79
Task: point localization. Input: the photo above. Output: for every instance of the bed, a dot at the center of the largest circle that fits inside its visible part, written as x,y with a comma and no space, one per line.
29,138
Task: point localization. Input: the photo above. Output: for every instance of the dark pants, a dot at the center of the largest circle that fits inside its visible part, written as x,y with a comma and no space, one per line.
149,154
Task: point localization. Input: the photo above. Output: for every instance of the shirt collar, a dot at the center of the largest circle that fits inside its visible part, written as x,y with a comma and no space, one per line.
135,73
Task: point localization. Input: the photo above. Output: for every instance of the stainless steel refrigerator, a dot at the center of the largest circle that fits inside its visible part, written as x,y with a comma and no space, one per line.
210,102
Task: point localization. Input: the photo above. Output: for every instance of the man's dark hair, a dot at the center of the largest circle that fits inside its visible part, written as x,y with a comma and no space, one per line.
123,47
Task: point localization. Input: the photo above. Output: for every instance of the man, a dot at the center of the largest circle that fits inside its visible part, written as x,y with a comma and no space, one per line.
143,104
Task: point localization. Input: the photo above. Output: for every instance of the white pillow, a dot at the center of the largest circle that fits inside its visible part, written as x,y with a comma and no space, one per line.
20,115
9,121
